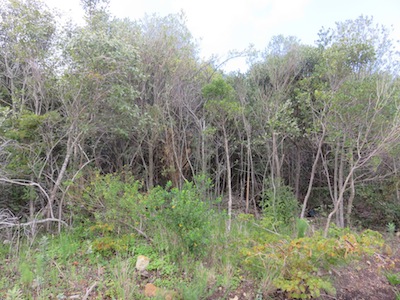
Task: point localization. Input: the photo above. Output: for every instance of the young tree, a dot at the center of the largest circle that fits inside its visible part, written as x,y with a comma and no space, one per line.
362,119
222,108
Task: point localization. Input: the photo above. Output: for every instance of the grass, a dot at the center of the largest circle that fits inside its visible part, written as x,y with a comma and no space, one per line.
187,242
65,265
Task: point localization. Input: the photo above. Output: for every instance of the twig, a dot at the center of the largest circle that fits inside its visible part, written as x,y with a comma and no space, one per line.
270,231
138,231
8,225
89,291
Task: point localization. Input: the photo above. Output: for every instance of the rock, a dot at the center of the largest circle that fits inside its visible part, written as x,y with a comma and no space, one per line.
142,263
150,290
235,298
170,295
145,274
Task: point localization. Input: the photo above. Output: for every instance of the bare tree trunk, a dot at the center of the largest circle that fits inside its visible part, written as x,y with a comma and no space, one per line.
298,173
350,201
340,199
248,182
150,174
60,177
203,148
275,160
312,175
340,212
229,178
335,179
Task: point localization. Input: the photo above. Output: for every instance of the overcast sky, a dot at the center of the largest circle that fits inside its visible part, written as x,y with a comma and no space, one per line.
223,25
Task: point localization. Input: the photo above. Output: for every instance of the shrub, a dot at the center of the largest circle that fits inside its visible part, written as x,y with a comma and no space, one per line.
294,264
280,207
189,217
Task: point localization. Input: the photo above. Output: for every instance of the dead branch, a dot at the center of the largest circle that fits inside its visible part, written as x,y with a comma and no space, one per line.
89,291
5,224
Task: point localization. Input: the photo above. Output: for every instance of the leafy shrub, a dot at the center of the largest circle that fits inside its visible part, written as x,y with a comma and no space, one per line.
117,200
393,278
280,207
165,215
293,264
110,245
189,217
302,227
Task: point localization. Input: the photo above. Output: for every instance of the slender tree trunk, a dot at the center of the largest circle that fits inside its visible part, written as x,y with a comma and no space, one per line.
336,179
340,212
60,177
298,172
275,160
350,202
340,199
151,166
312,175
248,182
229,178
203,148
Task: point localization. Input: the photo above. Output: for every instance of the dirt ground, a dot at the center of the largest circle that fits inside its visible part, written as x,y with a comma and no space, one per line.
366,279
362,280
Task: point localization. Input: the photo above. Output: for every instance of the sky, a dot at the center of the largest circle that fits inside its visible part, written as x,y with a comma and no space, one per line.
224,25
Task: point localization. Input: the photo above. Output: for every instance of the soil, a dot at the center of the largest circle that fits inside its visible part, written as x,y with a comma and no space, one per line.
366,279
362,280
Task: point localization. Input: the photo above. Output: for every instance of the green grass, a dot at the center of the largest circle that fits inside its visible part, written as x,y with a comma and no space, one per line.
70,263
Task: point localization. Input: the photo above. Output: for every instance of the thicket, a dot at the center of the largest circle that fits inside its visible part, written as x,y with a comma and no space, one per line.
117,136
186,240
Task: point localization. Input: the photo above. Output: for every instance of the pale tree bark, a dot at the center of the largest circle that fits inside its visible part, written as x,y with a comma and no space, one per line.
350,201
229,177
312,175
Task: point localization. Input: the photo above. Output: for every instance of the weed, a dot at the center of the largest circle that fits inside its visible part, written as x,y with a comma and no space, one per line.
391,228
14,294
280,206
302,227
393,278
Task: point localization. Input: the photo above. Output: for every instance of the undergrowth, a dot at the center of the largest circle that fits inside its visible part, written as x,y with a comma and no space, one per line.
185,238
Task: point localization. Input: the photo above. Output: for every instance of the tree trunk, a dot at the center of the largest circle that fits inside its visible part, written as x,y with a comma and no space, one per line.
340,199
275,161
229,178
312,175
350,202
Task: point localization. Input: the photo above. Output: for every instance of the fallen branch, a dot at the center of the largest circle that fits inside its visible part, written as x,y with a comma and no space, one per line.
89,291
266,229
138,231
8,225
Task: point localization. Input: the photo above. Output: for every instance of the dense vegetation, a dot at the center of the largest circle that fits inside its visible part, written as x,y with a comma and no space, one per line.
118,137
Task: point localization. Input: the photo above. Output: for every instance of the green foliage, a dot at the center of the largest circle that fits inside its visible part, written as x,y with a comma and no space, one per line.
293,264
118,205
27,274
302,227
14,294
189,217
376,205
218,89
391,228
393,278
110,245
280,207
114,201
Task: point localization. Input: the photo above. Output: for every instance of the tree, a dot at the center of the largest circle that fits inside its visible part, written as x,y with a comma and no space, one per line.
27,67
223,109
362,116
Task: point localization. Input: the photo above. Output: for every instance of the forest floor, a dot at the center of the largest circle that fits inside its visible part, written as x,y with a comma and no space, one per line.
365,279
62,268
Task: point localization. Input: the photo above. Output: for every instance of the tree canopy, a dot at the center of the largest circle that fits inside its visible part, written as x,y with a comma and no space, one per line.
114,96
